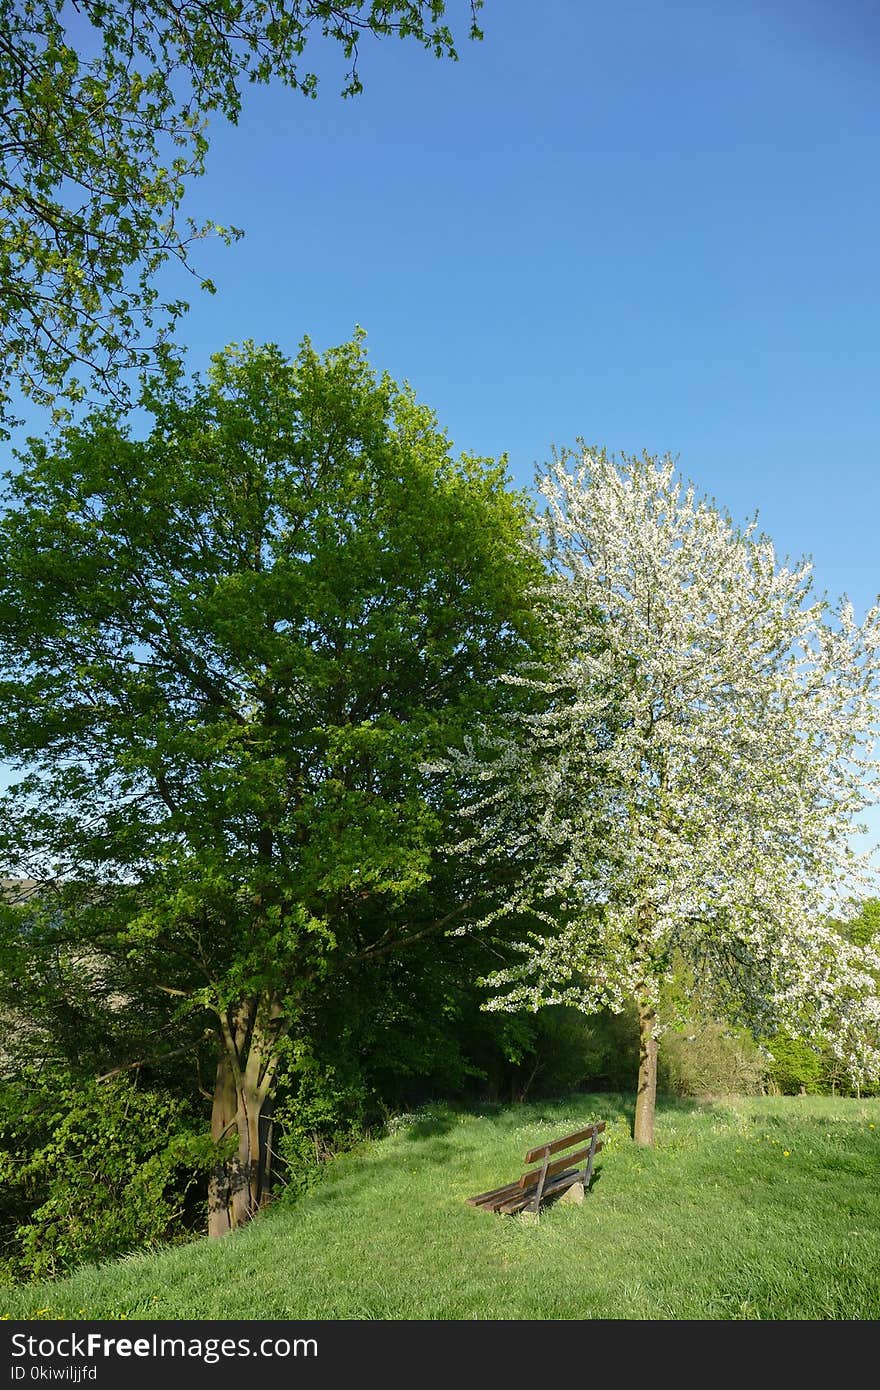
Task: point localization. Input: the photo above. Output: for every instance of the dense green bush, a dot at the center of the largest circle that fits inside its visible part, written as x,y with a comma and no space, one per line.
796,1068
91,1169
572,1051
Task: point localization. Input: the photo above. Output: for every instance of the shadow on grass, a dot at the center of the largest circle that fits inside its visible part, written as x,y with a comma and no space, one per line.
430,1126
445,1139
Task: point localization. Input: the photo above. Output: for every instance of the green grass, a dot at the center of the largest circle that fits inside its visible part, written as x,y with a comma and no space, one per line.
747,1208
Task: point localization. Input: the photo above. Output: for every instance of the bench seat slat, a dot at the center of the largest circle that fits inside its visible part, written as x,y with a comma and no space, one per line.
554,1146
525,1196
483,1198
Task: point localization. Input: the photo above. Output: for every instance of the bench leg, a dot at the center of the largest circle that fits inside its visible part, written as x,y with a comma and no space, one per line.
588,1166
539,1192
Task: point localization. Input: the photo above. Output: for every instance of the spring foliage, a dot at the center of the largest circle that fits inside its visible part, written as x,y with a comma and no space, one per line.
225,651
703,748
103,121
90,1169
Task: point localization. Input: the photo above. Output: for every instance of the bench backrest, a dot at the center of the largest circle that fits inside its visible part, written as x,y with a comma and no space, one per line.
555,1145
548,1170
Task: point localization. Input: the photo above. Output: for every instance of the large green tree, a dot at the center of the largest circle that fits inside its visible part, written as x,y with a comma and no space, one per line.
229,650
103,124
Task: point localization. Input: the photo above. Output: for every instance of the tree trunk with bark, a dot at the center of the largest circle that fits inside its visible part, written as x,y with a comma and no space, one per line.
239,1184
646,1097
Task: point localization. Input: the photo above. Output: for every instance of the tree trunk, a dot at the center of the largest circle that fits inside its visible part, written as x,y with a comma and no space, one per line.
239,1184
222,1178
646,1098
267,1129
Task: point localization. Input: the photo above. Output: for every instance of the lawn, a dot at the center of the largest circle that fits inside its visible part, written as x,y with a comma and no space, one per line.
748,1208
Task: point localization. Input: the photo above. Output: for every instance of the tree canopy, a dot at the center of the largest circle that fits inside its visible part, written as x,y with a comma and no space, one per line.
103,123
228,650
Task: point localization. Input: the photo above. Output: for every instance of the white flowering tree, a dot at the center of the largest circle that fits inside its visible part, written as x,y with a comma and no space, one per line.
690,784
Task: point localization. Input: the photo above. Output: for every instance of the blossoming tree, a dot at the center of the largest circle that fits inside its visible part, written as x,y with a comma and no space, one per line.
701,753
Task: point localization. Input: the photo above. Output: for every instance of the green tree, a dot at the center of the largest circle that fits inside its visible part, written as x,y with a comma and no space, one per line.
862,925
228,650
103,112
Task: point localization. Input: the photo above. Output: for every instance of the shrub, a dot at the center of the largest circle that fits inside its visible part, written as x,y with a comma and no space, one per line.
796,1067
710,1059
89,1170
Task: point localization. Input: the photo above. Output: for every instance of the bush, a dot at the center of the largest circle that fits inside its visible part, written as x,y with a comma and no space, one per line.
89,1170
710,1059
320,1110
577,1051
796,1067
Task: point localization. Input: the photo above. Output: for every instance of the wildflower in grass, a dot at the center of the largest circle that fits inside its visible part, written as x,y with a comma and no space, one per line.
786,1153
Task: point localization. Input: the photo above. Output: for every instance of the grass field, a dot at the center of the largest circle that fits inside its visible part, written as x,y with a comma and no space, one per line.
750,1208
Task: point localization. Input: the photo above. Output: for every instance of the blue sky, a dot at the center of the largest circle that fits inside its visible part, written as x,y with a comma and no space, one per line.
655,226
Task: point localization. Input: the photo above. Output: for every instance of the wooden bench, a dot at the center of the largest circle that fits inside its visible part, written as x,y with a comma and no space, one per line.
551,1179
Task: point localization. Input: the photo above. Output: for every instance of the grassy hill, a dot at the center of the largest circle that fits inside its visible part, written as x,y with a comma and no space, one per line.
748,1208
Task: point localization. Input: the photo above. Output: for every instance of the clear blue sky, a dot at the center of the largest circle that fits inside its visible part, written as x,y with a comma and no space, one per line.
656,226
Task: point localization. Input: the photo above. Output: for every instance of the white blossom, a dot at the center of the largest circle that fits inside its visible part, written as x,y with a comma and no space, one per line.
689,788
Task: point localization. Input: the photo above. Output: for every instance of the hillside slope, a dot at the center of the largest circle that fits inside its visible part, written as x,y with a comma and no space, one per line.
748,1208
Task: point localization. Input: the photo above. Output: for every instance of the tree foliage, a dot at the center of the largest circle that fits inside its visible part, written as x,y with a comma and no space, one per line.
705,749
228,649
103,123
